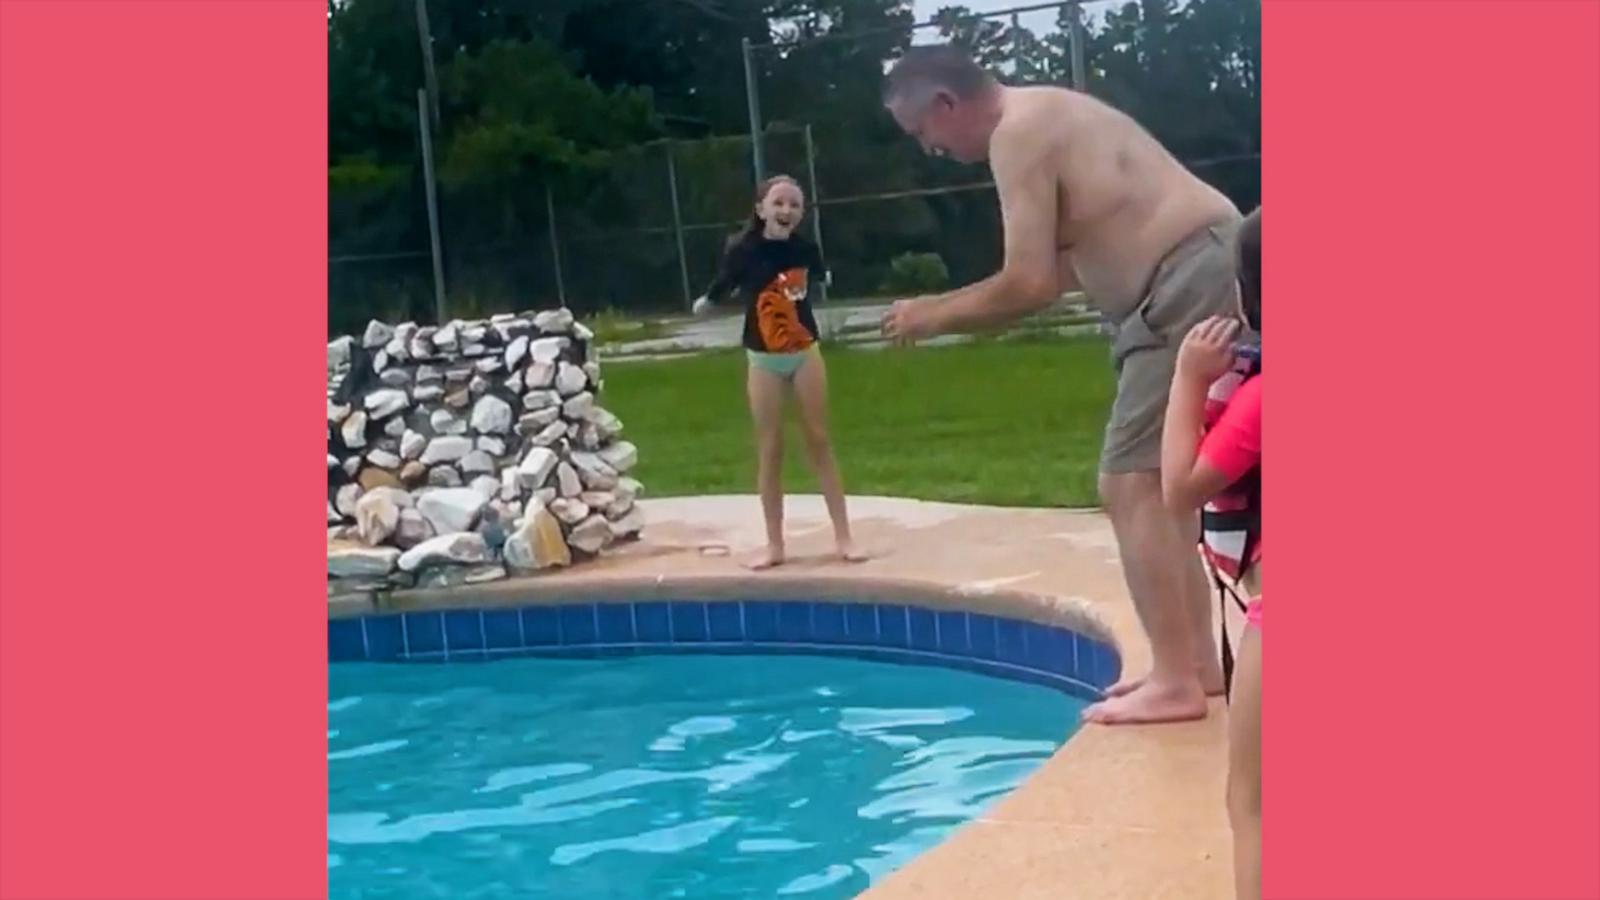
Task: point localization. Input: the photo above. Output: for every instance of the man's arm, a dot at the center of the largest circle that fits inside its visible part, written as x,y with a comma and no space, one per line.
1029,280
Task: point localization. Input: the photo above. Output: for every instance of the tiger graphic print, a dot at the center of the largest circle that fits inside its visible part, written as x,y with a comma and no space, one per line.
778,316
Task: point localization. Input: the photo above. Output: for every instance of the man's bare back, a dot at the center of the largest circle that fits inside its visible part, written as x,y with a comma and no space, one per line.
1123,202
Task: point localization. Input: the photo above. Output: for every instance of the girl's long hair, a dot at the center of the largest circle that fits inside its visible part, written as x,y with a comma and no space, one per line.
755,225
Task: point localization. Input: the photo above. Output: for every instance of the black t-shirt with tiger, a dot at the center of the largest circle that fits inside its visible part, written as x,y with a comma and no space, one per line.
775,280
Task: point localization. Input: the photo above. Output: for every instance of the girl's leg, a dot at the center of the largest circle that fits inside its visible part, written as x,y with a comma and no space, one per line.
811,389
766,409
1244,767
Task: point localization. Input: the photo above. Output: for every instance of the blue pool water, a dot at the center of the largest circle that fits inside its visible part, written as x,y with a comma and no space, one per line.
663,776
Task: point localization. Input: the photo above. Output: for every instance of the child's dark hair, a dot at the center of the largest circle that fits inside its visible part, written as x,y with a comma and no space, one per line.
1248,246
754,226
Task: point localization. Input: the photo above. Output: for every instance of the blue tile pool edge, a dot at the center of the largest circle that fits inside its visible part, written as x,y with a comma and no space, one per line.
1004,647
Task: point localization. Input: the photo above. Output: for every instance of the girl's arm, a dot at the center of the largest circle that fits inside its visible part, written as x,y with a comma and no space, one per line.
1189,479
727,275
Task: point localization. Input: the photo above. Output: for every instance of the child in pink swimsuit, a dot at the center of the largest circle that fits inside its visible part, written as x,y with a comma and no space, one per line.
1211,459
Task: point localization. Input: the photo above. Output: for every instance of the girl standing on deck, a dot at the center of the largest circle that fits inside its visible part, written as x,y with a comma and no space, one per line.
774,270
1211,458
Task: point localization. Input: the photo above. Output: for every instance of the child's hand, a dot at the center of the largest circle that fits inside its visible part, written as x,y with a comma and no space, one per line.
1207,351
702,306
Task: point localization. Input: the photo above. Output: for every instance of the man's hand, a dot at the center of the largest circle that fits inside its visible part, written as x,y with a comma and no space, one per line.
908,321
1207,351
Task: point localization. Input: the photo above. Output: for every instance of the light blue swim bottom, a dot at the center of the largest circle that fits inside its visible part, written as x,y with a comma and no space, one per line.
783,365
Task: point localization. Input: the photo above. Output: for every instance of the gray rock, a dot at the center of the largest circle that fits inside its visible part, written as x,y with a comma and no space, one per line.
536,400
428,393
578,406
447,448
344,500
451,509
380,361
494,446
339,352
569,510
411,444
395,377
333,461
582,332
542,498
421,346
568,481
457,376
333,514
383,459
591,535
352,465
427,374
618,508
445,422
620,456
534,422
337,412
354,430
515,351
629,488
491,415
608,425
487,485
386,402
547,350
535,468
460,548
553,321
548,437
628,525
488,365
569,379
510,484
539,376
448,336
476,462
356,562
592,369
475,350
514,383
377,334
444,477
598,500
377,516
473,332
588,437
479,386
412,529
596,473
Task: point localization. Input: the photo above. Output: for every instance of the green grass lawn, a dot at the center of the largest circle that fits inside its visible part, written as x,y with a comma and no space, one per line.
1007,422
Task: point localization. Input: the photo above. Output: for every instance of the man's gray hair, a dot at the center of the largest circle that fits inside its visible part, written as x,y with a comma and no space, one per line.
935,67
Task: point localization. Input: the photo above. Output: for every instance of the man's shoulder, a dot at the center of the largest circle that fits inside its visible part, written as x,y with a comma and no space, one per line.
1036,118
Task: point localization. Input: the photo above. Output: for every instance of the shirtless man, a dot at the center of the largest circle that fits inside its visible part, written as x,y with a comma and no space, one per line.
1090,201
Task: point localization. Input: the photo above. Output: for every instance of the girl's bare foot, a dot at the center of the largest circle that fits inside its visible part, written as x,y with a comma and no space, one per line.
1151,702
849,553
1210,680
769,558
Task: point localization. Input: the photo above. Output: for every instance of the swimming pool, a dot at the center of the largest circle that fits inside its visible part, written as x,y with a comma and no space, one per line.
663,775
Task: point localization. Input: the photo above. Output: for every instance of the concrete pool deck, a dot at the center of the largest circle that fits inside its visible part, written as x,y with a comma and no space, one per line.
1119,813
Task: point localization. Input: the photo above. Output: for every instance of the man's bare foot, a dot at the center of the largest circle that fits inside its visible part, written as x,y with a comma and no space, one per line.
1210,682
769,558
849,553
1151,702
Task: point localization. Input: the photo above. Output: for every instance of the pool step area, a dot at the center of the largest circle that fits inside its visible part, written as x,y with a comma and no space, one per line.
992,645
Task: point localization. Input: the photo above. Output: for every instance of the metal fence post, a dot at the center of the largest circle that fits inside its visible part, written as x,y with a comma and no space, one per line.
816,201
677,227
555,244
1075,46
430,79
1016,45
433,205
752,94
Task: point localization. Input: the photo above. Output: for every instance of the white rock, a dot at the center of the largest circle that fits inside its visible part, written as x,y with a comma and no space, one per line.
578,406
631,523
377,334
618,508
475,350
535,400
536,543
569,510
492,445
377,516
399,346
534,422
592,369
582,332
569,379
620,456
474,331
629,488
344,500
352,465
552,433
479,386
502,318
351,562
510,485
461,548
568,481
333,461
536,466
572,431
411,444
477,462
553,321
427,374
413,529
514,383
446,422
395,427
539,375
488,365
542,498
444,477
421,346
588,437
427,393
547,350
607,424
380,361
386,402
451,509
591,535
487,485
457,376
598,500
515,351
337,412
354,430
447,337
333,514
339,352
395,378
383,459
491,415
446,449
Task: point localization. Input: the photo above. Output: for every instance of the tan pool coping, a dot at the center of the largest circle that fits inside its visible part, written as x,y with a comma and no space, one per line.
1131,812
